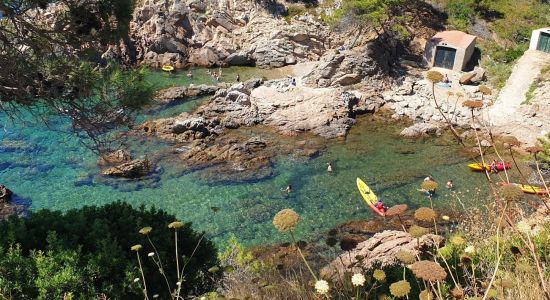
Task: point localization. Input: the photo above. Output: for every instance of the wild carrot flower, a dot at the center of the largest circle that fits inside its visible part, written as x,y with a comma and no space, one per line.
429,185
470,249
396,210
286,220
145,230
511,192
434,76
405,257
151,254
445,252
457,292
428,270
523,227
358,279
379,275
135,247
472,104
485,90
175,225
418,231
425,295
136,279
457,240
321,286
400,289
424,214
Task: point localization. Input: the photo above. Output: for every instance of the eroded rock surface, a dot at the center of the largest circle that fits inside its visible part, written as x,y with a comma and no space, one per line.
179,93
223,33
132,169
378,251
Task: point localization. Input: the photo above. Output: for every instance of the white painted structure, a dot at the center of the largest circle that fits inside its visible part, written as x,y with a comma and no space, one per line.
540,40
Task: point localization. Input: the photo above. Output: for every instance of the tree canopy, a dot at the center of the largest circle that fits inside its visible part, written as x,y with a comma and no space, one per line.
52,62
86,252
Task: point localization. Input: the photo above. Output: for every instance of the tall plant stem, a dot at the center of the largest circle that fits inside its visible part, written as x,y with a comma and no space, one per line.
177,256
451,127
142,276
302,255
542,178
160,265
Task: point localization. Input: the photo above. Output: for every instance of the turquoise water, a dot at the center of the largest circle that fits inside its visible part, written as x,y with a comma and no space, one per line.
50,169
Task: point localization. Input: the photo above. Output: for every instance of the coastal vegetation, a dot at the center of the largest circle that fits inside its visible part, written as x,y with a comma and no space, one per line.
87,253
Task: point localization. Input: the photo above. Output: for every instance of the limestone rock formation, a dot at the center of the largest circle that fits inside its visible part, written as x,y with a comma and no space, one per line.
132,169
238,32
380,251
346,67
179,93
420,129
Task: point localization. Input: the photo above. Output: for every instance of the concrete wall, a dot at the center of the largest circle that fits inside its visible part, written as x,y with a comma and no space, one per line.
535,37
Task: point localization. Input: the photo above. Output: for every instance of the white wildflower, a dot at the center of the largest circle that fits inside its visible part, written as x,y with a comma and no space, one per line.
523,227
358,279
136,279
470,249
321,286
151,254
445,218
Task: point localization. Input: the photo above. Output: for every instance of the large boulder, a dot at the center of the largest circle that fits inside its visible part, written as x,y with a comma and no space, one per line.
133,169
420,129
342,68
379,251
179,93
5,194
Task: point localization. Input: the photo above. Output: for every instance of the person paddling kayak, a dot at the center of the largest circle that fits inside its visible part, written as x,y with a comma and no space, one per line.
380,205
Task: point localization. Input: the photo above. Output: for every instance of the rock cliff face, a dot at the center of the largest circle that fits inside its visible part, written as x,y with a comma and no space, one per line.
347,67
222,33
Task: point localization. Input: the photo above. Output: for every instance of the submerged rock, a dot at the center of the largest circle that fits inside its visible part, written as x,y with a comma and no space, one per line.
5,194
133,169
420,129
116,157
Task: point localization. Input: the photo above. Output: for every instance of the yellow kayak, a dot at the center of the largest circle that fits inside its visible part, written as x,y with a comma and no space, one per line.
478,166
369,196
531,189
167,68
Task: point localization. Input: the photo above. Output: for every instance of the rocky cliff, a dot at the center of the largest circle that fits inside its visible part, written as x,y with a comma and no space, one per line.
208,33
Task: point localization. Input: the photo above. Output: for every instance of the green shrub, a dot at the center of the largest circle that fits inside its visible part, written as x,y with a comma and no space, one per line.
87,251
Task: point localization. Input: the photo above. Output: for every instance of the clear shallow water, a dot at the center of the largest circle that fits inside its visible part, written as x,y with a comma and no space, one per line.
49,169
